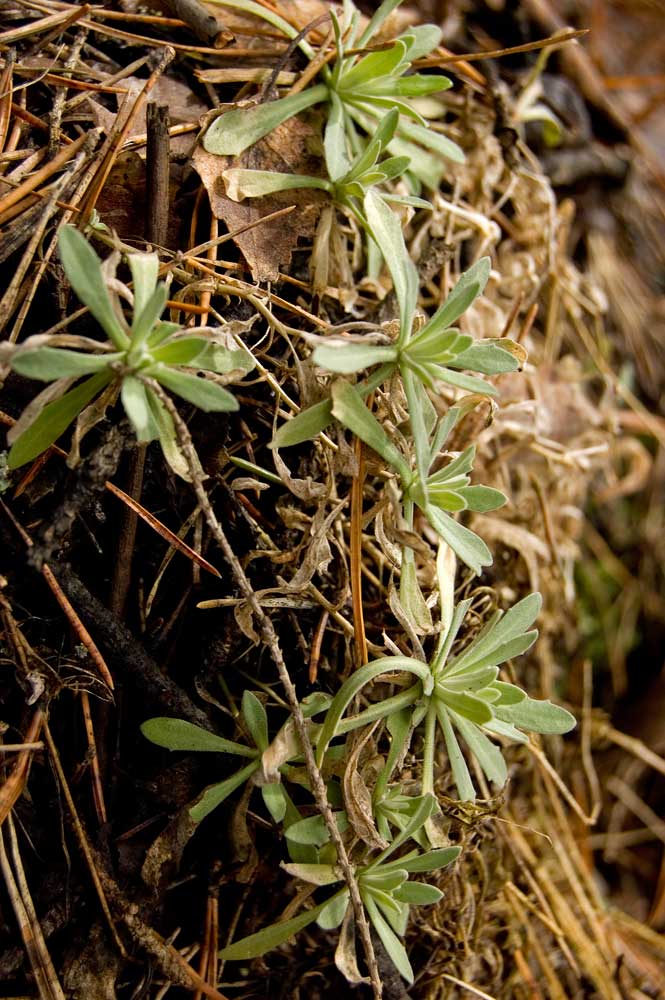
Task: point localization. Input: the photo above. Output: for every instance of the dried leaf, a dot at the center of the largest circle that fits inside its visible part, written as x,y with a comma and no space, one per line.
287,149
357,797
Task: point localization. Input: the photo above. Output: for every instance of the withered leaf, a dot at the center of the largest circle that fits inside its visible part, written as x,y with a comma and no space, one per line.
358,799
291,148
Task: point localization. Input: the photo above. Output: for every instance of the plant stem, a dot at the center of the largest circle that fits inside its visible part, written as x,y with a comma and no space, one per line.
272,642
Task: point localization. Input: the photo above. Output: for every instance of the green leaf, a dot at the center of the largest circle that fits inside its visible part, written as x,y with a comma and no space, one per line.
461,776
84,272
411,596
386,879
334,140
467,705
168,439
163,330
420,40
470,285
377,66
182,351
304,426
234,131
46,364
431,861
386,230
414,395
418,894
255,716
482,498
145,269
332,915
459,466
538,717
274,801
497,656
350,410
486,753
444,499
420,85
345,358
134,397
427,805
313,829
219,359
391,942
177,734
270,937
383,11
145,321
465,543
351,687
241,183
207,395
488,357
431,140
512,625
54,419
509,694
216,794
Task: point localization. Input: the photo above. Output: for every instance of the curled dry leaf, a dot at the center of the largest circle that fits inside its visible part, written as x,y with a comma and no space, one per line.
290,149
357,797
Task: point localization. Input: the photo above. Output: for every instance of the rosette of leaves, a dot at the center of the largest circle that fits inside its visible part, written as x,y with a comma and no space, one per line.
267,761
368,169
386,890
145,348
439,494
357,89
437,353
459,695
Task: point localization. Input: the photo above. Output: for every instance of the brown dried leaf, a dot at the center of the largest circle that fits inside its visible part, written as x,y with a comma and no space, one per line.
358,799
318,553
288,149
346,958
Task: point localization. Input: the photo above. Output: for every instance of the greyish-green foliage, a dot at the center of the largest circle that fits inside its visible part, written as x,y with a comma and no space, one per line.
145,348
451,699
357,90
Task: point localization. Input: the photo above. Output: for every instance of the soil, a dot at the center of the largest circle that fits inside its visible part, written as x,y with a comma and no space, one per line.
110,890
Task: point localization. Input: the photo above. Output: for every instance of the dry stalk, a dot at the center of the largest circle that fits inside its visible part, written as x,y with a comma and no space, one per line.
272,642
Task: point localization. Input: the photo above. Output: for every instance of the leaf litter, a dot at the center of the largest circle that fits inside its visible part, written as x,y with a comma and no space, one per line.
542,899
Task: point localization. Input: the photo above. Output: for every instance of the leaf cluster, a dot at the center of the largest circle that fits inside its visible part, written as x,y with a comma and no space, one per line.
357,90
144,349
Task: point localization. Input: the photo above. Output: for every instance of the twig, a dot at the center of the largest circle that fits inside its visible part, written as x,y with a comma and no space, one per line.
272,642
15,783
17,888
157,173
204,24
